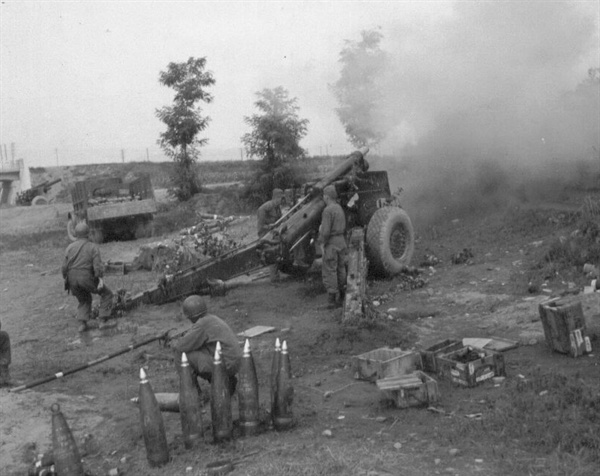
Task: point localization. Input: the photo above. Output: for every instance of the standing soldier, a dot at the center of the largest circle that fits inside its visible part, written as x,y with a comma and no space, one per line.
5,358
331,235
200,342
267,215
83,272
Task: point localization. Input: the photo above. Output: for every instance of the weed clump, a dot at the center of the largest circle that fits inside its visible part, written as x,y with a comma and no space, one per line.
552,415
552,412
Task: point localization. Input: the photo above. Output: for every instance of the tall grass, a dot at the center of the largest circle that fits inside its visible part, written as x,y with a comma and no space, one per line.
549,421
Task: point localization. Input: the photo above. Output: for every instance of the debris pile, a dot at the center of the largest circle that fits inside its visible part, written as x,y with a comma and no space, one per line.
410,280
464,256
207,239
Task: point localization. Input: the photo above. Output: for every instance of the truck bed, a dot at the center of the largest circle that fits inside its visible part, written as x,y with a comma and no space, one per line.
116,210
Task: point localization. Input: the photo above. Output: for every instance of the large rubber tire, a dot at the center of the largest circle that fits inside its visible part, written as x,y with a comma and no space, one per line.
71,229
39,200
390,241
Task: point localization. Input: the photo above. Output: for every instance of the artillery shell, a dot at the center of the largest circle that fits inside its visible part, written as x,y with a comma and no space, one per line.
274,373
220,401
66,455
248,393
153,427
190,406
283,417
167,402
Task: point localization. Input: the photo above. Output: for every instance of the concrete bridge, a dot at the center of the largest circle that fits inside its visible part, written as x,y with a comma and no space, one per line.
14,178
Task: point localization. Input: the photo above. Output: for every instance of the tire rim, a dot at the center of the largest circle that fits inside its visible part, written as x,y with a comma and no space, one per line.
398,241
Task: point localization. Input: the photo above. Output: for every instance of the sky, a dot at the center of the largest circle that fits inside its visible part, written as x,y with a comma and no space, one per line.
79,80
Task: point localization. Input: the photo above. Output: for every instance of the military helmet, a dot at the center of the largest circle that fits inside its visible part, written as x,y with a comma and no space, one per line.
82,230
194,307
330,192
277,193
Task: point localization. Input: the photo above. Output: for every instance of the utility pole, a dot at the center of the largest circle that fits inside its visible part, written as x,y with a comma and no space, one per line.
123,155
12,150
56,153
5,152
241,154
147,155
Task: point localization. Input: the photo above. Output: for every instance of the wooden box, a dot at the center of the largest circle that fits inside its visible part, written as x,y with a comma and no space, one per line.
410,390
385,362
565,327
429,355
470,366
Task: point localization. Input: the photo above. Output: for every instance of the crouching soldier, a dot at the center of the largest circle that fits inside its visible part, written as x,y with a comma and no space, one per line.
200,342
5,358
83,272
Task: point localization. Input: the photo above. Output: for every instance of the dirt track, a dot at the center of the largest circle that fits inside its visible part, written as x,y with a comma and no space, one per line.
479,299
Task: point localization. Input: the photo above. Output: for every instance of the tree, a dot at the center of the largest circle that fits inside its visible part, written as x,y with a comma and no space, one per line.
357,90
184,122
275,136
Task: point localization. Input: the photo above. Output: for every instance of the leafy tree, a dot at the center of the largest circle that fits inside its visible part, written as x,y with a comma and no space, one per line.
184,122
357,90
275,136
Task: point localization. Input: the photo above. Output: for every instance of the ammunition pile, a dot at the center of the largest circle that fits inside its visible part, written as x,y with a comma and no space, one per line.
188,403
64,459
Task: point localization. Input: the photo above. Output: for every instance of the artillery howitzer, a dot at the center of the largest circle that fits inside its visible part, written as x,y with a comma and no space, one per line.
35,195
379,231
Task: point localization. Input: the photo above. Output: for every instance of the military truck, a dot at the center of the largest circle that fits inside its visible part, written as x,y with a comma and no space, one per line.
113,208
380,235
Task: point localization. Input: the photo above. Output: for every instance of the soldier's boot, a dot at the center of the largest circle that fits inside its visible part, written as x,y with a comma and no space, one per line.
83,326
333,301
5,376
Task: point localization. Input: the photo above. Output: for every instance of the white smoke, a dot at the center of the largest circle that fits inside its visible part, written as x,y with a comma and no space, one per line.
490,91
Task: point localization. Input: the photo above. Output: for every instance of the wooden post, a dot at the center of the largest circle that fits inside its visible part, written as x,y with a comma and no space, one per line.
356,281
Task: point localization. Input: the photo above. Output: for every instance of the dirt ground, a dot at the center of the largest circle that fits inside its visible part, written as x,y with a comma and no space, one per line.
342,427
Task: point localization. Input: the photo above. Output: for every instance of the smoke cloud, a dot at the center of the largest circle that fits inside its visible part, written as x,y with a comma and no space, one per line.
490,98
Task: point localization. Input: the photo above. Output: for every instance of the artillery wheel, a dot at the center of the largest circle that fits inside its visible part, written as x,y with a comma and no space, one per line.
390,241
39,200
71,229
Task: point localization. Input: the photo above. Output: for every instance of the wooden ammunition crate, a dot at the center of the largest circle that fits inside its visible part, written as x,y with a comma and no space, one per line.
565,327
470,366
429,356
415,389
385,362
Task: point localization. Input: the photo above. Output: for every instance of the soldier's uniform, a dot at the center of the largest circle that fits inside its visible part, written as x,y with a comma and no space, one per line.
5,359
268,213
82,268
200,343
332,230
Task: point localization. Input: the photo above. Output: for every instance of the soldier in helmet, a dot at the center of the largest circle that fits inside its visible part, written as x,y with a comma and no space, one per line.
332,236
269,212
83,272
200,342
267,215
